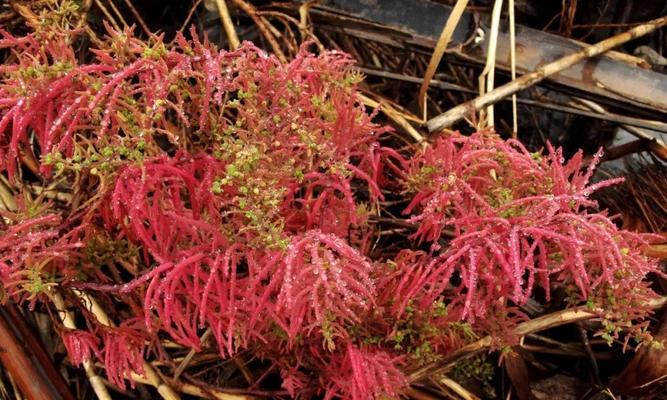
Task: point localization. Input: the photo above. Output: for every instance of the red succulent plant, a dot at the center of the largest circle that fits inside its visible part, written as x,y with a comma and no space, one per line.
226,191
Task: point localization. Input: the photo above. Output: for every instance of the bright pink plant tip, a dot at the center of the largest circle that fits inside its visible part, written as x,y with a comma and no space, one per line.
80,345
227,192
324,284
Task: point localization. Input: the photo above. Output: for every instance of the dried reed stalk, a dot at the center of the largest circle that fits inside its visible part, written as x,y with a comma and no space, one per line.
439,51
457,113
227,24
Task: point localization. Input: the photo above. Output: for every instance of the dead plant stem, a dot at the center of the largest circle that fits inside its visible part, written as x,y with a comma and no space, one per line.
544,322
459,112
441,46
227,24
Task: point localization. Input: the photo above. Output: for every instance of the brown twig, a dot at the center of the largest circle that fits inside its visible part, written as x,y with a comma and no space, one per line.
67,319
655,145
395,116
440,47
26,13
263,27
137,16
7,202
544,322
622,150
600,113
118,13
190,14
150,373
305,35
107,14
304,20
456,388
488,75
193,390
227,24
515,120
184,363
287,35
583,334
459,112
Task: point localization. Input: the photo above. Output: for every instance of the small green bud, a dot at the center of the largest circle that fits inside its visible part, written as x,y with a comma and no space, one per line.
107,151
217,187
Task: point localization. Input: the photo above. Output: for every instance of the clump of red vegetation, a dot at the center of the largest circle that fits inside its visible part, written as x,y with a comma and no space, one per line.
225,191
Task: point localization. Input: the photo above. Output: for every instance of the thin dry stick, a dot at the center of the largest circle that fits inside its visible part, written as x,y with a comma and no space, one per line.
26,13
227,24
184,363
395,107
544,322
656,145
457,388
394,116
276,33
489,72
118,14
515,122
541,103
263,27
413,393
457,113
68,320
83,22
440,47
50,192
137,16
7,202
190,14
303,18
107,14
591,105
196,391
286,19
152,376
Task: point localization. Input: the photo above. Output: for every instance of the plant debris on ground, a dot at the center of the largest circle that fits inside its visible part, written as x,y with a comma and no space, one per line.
235,200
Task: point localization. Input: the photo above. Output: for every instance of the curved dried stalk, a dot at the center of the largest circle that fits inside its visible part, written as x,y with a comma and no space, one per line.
227,24
26,13
304,19
515,123
456,388
544,322
194,390
152,376
488,75
137,16
395,116
457,113
67,319
263,27
193,8
7,202
118,14
441,46
108,15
